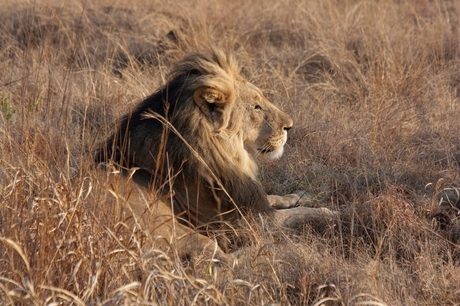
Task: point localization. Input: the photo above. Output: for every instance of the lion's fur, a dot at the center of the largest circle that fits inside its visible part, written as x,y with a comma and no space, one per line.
206,126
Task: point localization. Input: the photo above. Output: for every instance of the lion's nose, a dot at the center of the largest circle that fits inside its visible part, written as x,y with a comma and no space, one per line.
288,124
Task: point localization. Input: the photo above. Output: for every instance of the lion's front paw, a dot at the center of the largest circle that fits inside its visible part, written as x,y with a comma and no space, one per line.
297,217
300,198
305,198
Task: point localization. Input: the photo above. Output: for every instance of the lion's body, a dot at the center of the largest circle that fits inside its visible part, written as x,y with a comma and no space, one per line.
150,213
205,127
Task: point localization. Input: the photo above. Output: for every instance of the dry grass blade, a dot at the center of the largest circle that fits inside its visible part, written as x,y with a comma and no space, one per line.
18,249
93,283
126,288
66,295
16,284
6,297
322,301
375,301
74,272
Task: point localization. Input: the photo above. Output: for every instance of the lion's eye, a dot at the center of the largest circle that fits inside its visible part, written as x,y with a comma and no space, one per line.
258,107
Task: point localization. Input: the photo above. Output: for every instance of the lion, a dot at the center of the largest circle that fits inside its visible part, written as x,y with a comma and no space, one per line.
192,145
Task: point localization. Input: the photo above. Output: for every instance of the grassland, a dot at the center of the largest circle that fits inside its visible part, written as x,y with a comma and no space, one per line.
374,91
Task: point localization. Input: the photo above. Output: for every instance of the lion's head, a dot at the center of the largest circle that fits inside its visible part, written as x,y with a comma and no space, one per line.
264,125
208,125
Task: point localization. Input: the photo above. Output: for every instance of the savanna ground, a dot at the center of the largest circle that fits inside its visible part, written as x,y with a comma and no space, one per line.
374,91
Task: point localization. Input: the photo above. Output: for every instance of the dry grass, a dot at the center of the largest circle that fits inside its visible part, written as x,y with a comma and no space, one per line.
374,91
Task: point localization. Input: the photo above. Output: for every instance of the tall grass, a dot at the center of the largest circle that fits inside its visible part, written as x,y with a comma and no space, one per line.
374,91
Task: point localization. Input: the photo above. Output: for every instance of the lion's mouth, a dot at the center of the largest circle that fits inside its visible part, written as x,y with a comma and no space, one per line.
265,151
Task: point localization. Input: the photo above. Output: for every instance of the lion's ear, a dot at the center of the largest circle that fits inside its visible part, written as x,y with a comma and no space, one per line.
214,104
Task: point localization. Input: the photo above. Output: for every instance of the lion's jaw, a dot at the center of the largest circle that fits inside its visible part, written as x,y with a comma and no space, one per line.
268,146
273,151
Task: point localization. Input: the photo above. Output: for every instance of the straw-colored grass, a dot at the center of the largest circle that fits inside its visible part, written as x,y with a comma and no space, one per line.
374,91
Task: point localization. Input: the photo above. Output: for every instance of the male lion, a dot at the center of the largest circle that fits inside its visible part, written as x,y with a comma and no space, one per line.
193,142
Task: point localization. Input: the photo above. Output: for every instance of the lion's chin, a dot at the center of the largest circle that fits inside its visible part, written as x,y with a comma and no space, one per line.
273,154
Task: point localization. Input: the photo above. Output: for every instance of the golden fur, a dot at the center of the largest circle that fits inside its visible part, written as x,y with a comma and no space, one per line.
197,138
